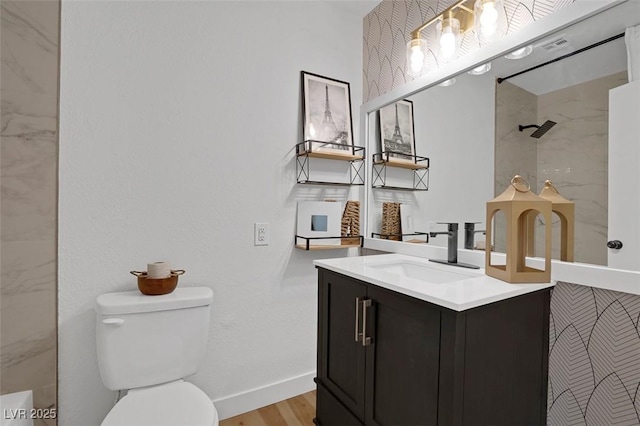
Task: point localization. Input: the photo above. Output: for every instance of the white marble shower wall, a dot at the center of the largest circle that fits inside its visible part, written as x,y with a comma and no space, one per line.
29,156
515,152
574,156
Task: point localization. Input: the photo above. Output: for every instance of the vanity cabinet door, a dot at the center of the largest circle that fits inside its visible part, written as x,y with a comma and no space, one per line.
402,360
341,360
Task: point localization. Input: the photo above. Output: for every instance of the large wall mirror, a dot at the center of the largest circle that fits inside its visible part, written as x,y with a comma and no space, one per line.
470,131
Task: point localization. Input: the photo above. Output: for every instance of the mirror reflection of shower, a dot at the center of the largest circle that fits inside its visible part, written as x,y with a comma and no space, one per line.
571,149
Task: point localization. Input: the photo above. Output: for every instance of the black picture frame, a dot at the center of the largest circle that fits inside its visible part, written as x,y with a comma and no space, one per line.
327,123
397,132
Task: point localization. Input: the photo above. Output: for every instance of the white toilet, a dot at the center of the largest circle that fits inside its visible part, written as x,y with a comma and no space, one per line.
148,344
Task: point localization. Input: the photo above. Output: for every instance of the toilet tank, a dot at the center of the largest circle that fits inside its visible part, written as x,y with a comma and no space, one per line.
146,340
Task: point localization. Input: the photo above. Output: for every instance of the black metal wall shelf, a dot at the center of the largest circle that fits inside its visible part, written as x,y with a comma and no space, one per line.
305,243
401,236
417,164
320,182
354,155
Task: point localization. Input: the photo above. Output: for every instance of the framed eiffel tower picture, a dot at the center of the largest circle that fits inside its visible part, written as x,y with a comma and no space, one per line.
397,131
326,113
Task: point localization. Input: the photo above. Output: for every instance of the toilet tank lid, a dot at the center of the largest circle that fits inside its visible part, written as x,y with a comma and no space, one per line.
130,302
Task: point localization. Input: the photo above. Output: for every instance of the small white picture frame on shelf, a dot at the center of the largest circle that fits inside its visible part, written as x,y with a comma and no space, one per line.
319,219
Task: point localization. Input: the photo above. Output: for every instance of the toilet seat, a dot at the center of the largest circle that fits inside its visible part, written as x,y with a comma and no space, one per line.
177,403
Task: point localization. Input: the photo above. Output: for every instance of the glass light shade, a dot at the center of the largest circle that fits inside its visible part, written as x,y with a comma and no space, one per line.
416,54
489,20
480,69
448,34
520,53
447,83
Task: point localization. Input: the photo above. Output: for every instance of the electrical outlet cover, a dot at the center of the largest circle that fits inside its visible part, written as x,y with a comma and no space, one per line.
261,234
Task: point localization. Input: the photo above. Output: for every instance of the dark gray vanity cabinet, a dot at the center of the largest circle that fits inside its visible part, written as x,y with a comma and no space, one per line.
388,359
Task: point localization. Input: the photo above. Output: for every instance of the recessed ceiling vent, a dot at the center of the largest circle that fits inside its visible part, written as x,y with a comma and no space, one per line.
556,44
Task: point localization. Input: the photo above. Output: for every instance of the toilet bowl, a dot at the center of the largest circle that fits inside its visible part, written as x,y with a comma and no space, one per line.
148,345
171,404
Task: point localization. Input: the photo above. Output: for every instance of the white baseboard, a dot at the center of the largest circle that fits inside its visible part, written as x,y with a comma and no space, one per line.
255,398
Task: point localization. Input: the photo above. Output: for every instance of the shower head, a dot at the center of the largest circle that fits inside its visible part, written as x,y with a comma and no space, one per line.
541,130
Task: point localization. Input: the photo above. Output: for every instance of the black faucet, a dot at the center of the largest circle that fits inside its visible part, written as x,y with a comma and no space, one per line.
452,246
469,234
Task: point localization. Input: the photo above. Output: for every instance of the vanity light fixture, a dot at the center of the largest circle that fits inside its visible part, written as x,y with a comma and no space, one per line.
479,70
453,21
487,14
483,16
520,53
448,34
416,52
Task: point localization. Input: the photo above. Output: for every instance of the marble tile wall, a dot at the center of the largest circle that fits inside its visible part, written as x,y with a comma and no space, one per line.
574,156
29,161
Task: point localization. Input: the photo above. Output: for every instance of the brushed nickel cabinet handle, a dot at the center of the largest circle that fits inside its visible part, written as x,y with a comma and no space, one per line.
366,341
358,335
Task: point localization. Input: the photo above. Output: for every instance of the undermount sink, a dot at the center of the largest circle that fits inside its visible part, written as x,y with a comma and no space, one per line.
424,272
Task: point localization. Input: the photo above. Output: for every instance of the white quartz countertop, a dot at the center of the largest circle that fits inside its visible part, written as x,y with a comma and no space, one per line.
472,290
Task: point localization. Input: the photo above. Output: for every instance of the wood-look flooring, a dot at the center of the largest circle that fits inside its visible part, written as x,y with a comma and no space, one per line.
296,411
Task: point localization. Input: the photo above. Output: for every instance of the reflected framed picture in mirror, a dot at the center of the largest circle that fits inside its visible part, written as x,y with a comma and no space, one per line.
397,132
326,113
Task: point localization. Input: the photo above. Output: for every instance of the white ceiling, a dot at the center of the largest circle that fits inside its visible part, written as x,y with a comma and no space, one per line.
359,8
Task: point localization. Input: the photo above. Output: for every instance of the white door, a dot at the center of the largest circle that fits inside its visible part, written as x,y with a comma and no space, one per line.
624,176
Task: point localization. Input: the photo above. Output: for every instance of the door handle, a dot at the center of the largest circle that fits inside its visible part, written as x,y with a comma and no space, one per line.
366,341
614,244
113,321
358,335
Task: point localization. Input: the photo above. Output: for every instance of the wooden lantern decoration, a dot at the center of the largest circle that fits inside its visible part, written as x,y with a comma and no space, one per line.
566,211
517,202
